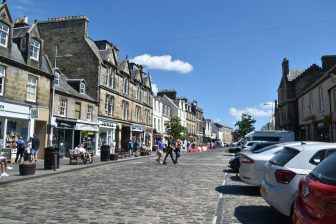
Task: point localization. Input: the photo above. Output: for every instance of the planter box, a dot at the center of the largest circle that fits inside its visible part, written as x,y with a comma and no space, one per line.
27,169
114,156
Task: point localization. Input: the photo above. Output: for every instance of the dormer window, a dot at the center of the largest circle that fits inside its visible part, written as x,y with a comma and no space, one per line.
82,88
56,79
34,51
4,32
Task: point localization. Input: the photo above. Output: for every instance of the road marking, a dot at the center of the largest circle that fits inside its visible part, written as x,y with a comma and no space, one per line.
219,209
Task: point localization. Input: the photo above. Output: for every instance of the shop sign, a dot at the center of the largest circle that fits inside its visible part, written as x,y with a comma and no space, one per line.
86,127
65,124
107,124
34,113
137,128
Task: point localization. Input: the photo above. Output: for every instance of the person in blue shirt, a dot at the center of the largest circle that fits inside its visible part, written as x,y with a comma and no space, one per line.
35,146
20,146
160,150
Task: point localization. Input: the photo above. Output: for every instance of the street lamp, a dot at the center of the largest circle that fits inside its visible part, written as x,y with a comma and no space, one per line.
272,104
51,120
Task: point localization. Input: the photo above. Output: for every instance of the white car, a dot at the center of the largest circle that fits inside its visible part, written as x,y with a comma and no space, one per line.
252,164
248,145
279,186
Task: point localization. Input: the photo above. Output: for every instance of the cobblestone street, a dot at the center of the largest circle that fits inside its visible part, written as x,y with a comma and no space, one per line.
139,191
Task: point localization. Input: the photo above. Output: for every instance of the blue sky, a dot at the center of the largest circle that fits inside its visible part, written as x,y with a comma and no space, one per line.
226,54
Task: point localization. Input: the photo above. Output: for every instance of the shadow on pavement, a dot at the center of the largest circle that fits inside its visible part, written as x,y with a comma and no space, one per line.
235,178
239,190
260,215
229,171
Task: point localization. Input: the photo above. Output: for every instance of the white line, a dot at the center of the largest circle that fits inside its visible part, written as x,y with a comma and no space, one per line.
215,220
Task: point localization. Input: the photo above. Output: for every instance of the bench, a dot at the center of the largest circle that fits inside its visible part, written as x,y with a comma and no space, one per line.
76,157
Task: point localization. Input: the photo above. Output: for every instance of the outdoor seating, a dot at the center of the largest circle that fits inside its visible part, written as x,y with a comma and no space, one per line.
77,156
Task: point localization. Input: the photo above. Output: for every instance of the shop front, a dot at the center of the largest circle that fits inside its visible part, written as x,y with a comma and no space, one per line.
63,135
107,128
148,137
86,133
137,132
15,121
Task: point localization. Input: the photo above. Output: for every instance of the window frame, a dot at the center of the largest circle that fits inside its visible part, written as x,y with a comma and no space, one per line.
321,100
34,49
89,113
82,88
63,107
56,79
2,78
6,34
124,110
31,85
78,111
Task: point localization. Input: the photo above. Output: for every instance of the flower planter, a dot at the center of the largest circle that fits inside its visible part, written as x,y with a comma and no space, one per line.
27,169
143,153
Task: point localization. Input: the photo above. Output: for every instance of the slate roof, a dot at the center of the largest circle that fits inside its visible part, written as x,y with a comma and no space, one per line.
294,74
64,87
94,48
20,31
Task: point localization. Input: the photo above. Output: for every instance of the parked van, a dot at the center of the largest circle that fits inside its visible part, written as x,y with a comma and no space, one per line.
271,136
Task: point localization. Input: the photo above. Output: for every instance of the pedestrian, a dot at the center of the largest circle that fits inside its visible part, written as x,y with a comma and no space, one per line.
20,148
170,149
130,146
4,167
178,150
112,147
35,147
159,151
136,147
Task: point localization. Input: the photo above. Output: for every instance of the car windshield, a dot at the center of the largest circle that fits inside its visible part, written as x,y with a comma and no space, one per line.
325,172
284,156
264,149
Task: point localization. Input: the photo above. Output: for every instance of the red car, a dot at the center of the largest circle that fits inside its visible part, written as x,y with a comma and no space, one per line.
316,202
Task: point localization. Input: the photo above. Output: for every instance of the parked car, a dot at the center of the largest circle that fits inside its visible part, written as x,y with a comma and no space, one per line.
234,163
279,186
252,164
316,201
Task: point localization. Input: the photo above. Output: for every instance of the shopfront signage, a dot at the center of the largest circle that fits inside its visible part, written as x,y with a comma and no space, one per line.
86,127
34,113
107,124
14,110
137,128
65,124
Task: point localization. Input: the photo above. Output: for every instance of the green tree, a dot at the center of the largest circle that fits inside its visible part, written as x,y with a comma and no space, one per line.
245,125
175,129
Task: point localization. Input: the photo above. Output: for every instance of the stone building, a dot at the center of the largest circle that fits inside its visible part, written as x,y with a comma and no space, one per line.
75,115
316,105
191,121
121,88
227,134
292,84
161,114
198,122
25,80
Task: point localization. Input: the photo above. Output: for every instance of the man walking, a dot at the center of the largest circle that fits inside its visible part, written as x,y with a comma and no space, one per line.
159,150
170,148
35,146
20,147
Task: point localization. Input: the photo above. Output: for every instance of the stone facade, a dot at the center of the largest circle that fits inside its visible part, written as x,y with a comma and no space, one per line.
120,87
25,80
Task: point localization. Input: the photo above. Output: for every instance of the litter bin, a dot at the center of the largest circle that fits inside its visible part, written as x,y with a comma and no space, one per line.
49,158
104,153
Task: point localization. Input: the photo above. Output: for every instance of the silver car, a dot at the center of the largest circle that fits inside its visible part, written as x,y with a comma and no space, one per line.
252,164
279,186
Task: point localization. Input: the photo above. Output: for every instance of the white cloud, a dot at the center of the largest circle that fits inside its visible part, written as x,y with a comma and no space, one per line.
263,111
155,88
163,62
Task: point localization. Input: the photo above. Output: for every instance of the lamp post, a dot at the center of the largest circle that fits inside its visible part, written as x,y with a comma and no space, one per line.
51,120
271,115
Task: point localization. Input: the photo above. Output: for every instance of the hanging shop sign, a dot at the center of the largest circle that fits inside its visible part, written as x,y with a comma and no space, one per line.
34,114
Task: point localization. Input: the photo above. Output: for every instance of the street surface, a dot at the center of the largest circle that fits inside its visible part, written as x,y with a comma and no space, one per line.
199,189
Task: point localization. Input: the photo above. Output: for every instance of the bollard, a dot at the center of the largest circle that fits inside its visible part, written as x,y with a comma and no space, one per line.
55,161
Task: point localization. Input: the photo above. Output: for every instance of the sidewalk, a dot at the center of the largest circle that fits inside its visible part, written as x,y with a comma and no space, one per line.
64,166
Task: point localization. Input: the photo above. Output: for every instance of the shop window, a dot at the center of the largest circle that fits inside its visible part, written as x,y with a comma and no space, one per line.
89,113
77,110
34,50
31,88
63,107
4,32
2,79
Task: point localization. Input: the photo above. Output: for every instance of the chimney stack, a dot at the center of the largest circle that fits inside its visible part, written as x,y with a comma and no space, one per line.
285,67
328,61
